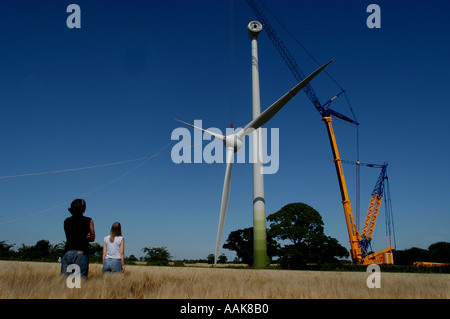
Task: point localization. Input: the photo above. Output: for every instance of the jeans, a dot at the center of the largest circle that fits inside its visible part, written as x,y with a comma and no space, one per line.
73,257
112,265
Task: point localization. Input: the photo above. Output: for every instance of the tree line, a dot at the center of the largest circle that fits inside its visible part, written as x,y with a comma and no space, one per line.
44,251
296,237
295,240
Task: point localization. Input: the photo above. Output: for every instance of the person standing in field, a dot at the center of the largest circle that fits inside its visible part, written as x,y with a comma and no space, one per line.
114,250
79,232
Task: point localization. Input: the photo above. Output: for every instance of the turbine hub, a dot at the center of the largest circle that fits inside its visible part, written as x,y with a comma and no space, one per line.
233,141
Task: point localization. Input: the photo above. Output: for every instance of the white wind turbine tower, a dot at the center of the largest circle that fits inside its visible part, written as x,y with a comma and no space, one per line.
259,202
233,142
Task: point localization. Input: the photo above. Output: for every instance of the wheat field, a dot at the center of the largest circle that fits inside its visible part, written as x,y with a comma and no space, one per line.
33,280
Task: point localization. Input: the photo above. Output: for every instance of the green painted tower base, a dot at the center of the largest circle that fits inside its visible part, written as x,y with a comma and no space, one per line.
260,259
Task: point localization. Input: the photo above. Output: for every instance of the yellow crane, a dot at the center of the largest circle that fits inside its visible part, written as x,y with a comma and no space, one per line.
360,241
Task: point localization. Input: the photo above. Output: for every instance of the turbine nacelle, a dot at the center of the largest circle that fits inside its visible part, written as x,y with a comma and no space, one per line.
254,28
232,141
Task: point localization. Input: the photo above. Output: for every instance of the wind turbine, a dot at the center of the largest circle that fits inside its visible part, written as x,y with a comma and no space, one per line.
233,143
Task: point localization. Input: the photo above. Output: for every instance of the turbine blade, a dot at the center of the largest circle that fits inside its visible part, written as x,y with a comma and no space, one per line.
275,107
225,198
216,135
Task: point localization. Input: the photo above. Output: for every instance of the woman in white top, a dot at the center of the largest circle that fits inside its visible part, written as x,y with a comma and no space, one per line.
114,250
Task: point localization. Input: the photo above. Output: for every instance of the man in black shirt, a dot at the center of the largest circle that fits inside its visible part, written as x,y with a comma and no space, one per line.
80,232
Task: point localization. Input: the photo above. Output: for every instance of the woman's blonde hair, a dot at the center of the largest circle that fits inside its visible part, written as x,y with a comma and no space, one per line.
116,230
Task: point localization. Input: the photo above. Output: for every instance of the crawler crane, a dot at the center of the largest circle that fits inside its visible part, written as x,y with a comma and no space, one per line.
358,243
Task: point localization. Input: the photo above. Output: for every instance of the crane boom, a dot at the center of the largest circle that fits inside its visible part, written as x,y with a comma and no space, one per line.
373,210
355,250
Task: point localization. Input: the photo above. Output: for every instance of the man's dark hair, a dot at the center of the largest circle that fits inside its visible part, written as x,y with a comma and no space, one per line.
78,207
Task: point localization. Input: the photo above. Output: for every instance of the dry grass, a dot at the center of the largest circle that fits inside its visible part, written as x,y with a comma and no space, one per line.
42,281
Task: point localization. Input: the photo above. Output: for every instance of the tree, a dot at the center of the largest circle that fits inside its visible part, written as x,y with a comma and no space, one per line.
131,260
222,259
302,225
440,252
5,250
409,256
56,251
330,250
298,223
241,242
40,251
24,252
157,256
95,252
210,259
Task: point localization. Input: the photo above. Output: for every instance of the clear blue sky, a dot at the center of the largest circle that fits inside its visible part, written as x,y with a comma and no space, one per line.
109,92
